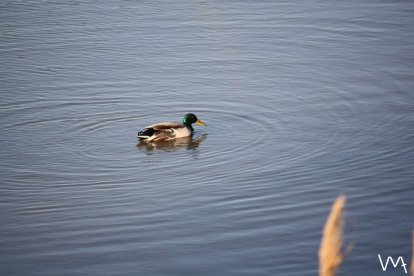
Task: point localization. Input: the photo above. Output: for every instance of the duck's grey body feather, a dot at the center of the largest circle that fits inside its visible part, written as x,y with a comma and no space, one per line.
164,132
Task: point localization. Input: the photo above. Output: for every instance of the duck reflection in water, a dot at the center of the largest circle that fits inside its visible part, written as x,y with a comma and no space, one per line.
190,143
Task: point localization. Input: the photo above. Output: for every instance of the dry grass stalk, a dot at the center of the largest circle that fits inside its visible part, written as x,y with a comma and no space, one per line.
330,255
412,259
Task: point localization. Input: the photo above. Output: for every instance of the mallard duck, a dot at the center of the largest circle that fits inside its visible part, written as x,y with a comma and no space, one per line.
168,131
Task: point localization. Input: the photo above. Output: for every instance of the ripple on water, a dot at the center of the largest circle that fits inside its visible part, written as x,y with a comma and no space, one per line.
259,132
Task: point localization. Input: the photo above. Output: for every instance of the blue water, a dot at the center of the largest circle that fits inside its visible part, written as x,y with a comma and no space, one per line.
303,101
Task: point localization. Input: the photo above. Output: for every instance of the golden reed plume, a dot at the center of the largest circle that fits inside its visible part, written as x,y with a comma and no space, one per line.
330,255
412,259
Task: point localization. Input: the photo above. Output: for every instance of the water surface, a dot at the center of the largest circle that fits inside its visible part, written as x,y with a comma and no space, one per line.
304,101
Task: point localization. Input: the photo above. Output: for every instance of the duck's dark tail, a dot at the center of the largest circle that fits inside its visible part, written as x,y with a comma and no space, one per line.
146,133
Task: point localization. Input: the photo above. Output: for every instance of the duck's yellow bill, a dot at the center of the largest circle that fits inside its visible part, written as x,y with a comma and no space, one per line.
200,123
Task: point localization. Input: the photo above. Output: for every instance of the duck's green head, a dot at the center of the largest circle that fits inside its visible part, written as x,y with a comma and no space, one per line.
190,119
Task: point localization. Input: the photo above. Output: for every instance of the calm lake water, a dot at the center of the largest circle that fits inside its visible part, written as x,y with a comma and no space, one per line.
303,101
